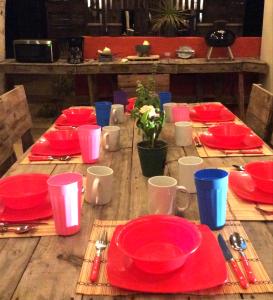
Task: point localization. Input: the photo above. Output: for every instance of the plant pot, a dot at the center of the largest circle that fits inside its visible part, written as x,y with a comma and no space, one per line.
143,50
152,160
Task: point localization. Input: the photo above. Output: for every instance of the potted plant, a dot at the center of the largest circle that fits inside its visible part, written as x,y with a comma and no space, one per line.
168,20
149,119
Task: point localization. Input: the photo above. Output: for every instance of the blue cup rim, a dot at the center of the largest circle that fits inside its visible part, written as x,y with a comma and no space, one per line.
218,174
101,103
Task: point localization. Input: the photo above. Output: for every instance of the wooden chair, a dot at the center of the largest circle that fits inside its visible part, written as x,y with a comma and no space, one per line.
259,114
16,123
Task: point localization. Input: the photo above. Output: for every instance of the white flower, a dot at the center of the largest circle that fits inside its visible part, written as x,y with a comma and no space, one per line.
148,108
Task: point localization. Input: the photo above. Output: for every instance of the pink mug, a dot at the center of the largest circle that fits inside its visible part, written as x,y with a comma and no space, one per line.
65,192
180,113
89,137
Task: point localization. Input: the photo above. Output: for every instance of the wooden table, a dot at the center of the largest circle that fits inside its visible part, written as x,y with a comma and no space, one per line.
49,267
163,66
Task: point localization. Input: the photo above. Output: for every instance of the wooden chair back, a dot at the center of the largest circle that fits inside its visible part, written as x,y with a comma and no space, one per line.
15,124
259,114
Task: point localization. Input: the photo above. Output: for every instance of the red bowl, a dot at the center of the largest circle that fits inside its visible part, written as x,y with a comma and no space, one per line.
78,115
230,133
24,191
62,139
208,110
262,174
158,243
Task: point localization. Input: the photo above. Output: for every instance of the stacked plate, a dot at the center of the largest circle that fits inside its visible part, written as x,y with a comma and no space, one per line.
76,117
211,112
230,136
255,184
164,254
58,143
24,197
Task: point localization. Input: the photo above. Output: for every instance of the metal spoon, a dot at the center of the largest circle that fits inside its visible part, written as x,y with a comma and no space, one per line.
239,167
18,230
238,243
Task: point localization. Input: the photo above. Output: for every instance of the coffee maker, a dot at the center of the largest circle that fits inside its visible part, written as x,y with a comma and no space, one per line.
75,50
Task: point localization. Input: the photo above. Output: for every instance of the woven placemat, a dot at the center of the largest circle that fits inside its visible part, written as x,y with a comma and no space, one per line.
204,151
46,229
238,209
102,286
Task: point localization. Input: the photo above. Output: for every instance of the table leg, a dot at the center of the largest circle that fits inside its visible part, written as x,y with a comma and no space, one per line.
92,88
241,96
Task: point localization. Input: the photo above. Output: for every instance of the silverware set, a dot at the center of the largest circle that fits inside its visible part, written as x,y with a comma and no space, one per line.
49,158
238,243
19,228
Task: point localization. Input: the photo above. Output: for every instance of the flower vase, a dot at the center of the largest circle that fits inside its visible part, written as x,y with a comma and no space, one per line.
152,160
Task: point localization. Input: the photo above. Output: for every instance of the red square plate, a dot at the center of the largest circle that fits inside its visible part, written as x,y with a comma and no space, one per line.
42,147
40,212
242,184
225,116
250,141
204,269
62,120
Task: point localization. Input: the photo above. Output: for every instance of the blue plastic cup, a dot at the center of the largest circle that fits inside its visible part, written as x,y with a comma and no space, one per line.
164,97
103,110
211,186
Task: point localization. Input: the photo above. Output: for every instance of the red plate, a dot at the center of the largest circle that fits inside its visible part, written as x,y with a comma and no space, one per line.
204,269
43,211
250,141
224,116
63,121
244,187
42,147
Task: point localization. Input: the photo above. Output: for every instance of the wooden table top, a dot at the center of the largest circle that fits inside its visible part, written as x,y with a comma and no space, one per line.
49,267
161,66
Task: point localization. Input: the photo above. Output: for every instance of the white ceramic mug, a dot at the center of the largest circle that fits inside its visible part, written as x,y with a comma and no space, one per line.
117,114
183,133
187,166
99,185
111,138
161,195
167,107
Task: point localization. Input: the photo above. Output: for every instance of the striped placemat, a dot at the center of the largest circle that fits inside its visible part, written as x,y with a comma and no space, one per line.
204,151
47,229
103,288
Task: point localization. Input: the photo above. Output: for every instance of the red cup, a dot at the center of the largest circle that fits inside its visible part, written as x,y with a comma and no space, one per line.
65,191
89,136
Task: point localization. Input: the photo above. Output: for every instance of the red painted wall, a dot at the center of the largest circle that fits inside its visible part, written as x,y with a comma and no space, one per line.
124,46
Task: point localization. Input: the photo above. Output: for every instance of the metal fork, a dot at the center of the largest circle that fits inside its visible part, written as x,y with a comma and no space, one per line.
100,245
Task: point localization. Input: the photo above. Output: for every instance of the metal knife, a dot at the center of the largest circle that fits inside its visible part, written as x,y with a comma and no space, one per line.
235,268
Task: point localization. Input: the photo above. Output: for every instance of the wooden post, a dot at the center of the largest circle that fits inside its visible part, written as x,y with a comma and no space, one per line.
92,85
241,96
267,44
2,42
